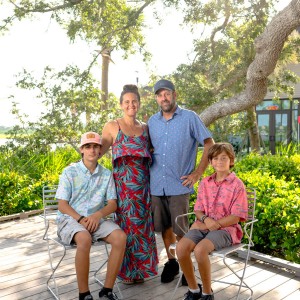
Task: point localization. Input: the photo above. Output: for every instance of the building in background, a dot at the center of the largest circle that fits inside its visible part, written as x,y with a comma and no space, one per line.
278,121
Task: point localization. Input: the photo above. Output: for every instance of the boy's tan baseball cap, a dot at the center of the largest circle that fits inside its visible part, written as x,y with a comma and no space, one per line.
90,137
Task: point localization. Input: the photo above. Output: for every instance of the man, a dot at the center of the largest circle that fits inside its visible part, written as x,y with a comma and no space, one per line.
175,134
86,195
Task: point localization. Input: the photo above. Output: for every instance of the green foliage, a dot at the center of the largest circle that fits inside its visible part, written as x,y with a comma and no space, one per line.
224,50
71,96
281,167
21,189
19,193
277,231
110,24
72,105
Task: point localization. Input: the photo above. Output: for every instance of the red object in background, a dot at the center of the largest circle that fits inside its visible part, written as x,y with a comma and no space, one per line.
272,107
299,119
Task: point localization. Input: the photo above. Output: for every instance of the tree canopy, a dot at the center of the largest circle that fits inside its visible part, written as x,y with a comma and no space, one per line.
233,58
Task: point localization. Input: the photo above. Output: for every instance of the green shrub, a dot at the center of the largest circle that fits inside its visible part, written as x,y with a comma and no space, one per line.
277,165
277,231
21,190
18,193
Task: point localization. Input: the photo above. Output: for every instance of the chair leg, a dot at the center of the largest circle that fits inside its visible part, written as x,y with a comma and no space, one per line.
241,278
52,275
99,281
177,285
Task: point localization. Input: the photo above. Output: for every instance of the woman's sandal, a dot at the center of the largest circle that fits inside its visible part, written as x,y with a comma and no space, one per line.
133,281
140,280
128,281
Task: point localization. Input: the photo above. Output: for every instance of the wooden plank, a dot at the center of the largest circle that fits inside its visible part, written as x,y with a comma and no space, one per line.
25,267
272,260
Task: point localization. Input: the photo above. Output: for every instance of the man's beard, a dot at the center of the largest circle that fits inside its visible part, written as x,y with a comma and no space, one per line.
168,108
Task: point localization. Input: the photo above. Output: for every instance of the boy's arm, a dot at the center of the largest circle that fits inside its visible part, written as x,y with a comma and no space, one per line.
65,208
228,221
198,224
91,223
108,209
212,224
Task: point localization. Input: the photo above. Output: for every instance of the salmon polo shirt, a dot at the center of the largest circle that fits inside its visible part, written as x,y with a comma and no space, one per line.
221,199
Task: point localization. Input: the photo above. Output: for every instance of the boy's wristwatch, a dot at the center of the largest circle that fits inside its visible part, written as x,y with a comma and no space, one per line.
203,218
80,218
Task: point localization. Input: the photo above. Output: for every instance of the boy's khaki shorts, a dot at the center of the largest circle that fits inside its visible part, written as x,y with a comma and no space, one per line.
68,227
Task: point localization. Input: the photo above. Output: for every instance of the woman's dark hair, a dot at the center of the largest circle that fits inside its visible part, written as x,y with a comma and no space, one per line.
218,148
130,88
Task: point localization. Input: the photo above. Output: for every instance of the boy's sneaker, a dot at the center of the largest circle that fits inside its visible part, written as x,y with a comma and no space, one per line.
88,297
207,297
193,296
109,295
171,269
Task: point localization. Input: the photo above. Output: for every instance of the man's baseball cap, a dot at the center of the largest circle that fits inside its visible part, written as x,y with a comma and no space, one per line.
90,137
163,84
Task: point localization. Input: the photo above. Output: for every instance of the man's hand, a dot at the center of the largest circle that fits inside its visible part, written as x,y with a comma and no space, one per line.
191,179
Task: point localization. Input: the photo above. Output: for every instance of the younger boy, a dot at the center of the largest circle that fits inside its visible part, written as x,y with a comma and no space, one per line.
221,204
86,194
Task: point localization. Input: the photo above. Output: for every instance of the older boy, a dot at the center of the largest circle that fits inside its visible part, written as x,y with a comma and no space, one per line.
86,195
221,204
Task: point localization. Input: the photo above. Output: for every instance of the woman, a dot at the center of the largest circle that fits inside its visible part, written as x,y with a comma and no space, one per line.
131,159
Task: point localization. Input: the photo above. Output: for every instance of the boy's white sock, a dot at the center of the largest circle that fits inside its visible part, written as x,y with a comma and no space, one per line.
195,291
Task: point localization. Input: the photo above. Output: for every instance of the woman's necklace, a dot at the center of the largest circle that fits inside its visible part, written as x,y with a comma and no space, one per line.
132,129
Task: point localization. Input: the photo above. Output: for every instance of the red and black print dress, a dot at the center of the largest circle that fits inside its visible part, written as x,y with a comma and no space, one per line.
131,161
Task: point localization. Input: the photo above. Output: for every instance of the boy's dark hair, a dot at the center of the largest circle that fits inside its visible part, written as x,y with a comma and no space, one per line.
218,148
130,88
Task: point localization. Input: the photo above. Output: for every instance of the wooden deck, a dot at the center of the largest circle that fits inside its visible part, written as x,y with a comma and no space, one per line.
24,267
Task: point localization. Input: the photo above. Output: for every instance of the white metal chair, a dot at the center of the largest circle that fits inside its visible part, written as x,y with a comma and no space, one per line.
50,210
226,252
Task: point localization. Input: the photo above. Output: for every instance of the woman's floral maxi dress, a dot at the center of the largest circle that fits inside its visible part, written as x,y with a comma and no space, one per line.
131,161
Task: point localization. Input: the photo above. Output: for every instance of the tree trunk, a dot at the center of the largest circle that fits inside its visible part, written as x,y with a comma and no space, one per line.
253,130
104,80
268,47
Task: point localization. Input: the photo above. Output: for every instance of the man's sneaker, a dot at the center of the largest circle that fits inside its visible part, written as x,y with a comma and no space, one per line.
193,296
183,281
171,269
88,297
109,295
207,297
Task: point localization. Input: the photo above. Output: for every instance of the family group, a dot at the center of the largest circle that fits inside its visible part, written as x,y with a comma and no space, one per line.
152,177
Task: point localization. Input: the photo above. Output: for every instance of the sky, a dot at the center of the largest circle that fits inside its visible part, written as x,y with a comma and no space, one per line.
32,45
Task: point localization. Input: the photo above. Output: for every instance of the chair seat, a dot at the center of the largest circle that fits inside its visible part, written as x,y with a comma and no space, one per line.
225,251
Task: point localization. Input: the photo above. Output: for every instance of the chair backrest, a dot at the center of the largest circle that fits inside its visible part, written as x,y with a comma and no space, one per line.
248,227
50,203
251,196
